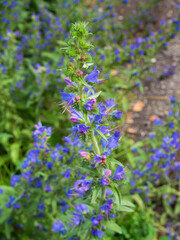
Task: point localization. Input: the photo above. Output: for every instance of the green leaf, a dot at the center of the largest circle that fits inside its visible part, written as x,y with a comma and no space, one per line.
7,189
6,81
117,195
72,232
86,84
6,135
139,201
95,95
62,43
127,203
125,209
114,161
114,227
101,134
50,55
88,170
177,207
8,230
164,238
14,152
54,206
95,193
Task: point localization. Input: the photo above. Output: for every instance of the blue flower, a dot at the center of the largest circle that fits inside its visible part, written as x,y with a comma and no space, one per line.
80,128
163,21
106,208
14,180
92,77
104,181
117,114
54,155
68,97
58,227
76,116
82,208
114,140
67,173
81,186
41,207
49,165
158,121
97,233
177,166
119,173
89,104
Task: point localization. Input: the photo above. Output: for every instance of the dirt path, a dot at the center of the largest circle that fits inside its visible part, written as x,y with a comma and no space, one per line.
156,94
155,97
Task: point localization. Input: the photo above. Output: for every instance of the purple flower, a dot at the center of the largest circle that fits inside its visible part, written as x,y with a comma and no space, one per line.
97,233
81,128
92,77
68,97
75,115
119,173
1,191
106,208
89,104
81,186
152,135
14,180
41,207
117,114
177,166
54,155
116,51
58,227
110,103
171,125
97,159
114,140
77,219
163,22
82,208
172,99
16,206
49,165
158,121
94,221
11,200
47,188
98,118
67,173
68,81
104,181
109,192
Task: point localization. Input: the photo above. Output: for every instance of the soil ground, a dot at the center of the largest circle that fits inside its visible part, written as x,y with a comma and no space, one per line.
156,93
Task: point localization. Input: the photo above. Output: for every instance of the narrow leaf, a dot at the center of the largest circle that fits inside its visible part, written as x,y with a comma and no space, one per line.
114,227
95,95
101,134
95,193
